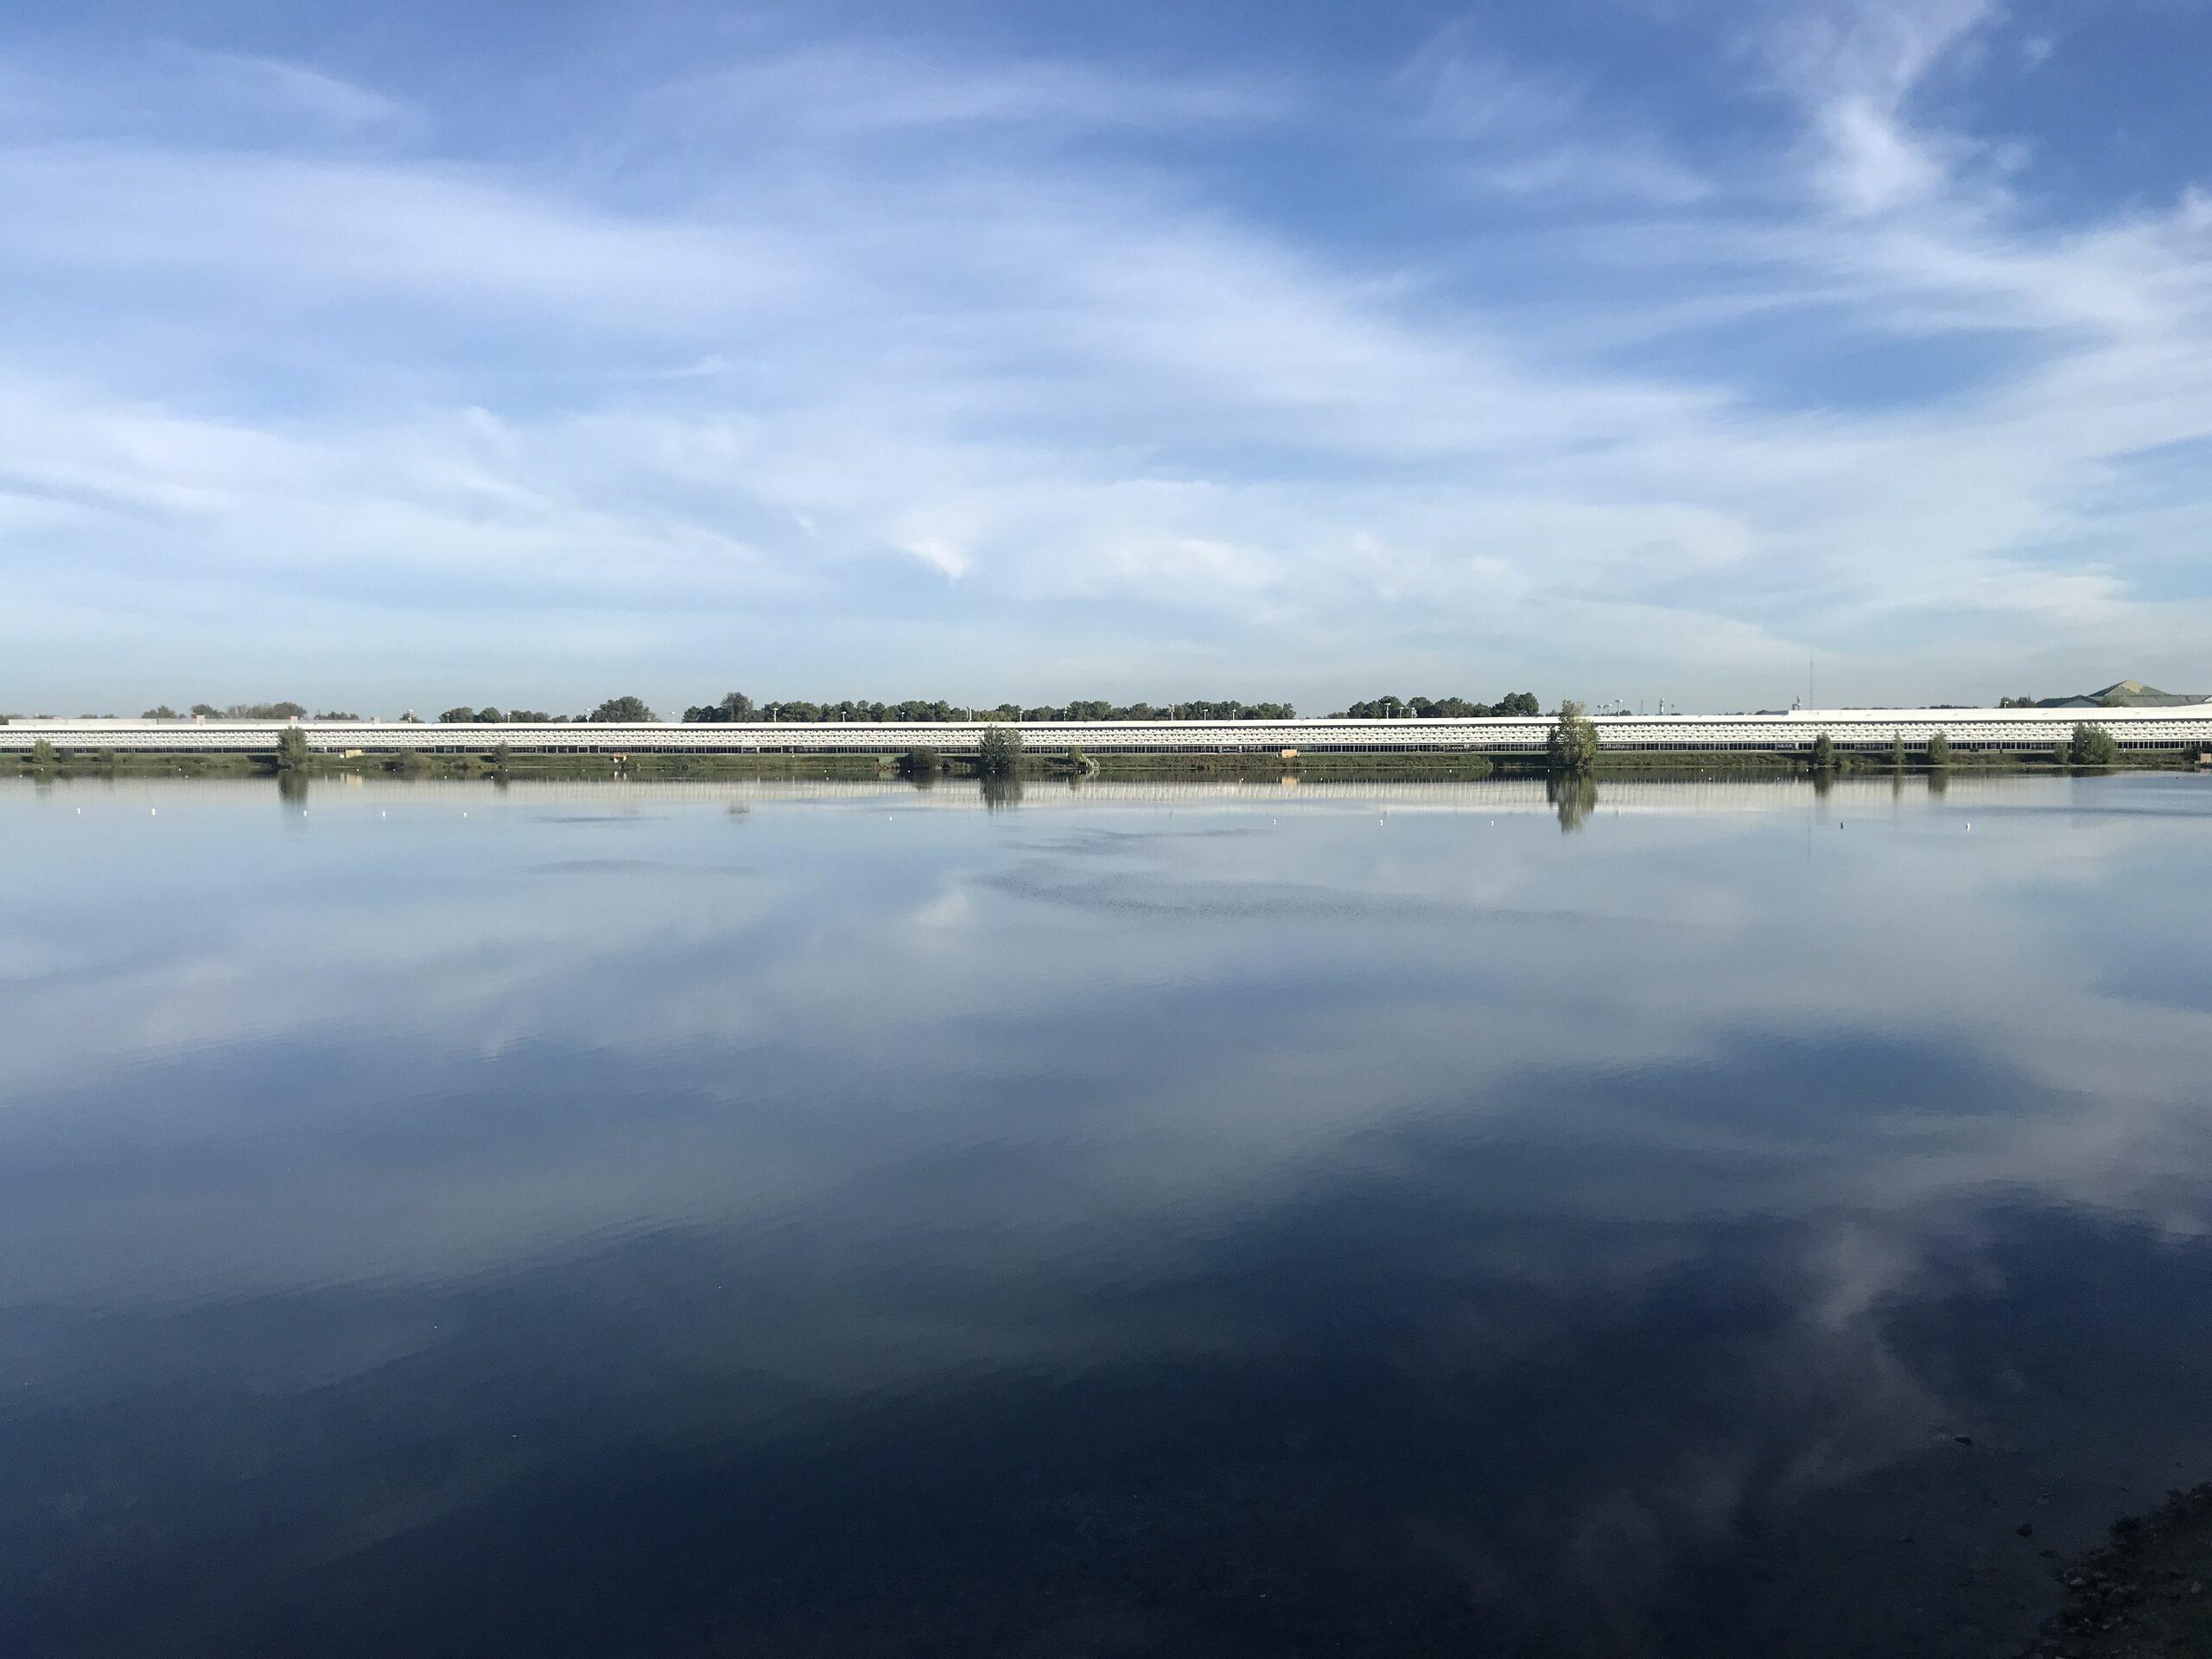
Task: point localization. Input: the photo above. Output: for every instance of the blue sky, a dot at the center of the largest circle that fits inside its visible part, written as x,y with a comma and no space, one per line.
528,354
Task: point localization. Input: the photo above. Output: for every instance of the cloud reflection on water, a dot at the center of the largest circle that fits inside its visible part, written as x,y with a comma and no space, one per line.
1669,1147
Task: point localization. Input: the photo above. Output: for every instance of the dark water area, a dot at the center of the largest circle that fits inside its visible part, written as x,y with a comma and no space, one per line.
823,1220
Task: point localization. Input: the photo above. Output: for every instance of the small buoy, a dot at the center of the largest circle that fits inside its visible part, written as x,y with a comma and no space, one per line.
153,812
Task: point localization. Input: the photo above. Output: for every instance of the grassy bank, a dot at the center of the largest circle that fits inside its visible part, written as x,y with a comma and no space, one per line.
1268,768
154,763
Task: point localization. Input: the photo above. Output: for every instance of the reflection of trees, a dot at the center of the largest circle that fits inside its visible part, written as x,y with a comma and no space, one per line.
292,788
1001,791
1574,794
1938,781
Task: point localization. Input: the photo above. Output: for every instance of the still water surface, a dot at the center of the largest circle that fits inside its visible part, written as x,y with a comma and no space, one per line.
840,1220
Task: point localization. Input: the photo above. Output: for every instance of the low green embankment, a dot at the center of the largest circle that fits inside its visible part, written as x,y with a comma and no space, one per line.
1452,767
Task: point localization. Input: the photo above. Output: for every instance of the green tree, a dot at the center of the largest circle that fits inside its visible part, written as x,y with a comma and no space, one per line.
1572,744
1939,750
501,758
487,715
43,753
921,762
1897,752
1823,753
291,749
2092,745
622,711
205,710
159,711
463,716
1000,754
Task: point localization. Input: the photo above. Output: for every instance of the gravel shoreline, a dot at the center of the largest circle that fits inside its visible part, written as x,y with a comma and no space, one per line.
2146,1593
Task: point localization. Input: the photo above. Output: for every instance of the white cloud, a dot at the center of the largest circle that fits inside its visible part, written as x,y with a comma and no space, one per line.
1091,385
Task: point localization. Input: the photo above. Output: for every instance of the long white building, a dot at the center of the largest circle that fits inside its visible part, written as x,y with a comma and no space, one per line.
2017,730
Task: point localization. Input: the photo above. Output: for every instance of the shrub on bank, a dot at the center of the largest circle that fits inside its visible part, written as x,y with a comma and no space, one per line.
2092,745
999,756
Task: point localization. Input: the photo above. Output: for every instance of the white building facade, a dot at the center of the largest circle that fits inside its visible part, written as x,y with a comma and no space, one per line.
1863,730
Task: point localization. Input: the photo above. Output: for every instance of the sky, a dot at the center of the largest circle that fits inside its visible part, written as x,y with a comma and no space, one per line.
400,356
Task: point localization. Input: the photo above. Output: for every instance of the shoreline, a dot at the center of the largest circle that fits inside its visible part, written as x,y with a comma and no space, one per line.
2146,1591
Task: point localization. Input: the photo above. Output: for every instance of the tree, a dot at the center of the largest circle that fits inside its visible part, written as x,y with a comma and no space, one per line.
487,715
921,762
1823,753
43,753
501,758
2092,745
1896,751
464,715
1000,754
1572,744
291,749
1939,750
159,711
735,708
622,711
1522,703
205,710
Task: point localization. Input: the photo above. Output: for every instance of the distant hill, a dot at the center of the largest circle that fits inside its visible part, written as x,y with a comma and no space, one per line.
2125,694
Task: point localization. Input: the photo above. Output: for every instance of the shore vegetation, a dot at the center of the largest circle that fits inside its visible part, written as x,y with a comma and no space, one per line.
1572,747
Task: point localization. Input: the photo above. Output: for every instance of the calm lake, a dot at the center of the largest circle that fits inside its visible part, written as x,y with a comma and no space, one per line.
1713,1219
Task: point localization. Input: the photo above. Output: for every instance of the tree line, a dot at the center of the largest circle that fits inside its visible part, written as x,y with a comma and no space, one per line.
1512,703
737,708
239,711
